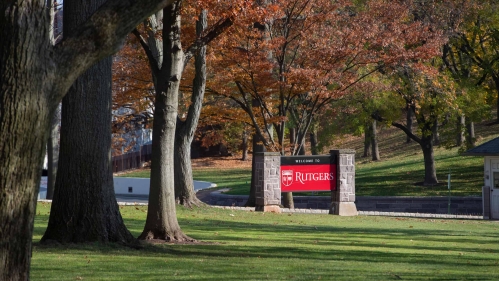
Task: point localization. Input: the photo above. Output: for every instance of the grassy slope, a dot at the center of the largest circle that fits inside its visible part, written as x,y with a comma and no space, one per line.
401,167
265,246
397,174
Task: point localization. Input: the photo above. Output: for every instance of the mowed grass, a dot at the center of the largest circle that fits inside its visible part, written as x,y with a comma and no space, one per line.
399,173
241,245
397,176
403,176
236,179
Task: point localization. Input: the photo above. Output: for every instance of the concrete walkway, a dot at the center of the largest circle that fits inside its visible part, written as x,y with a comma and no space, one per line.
143,198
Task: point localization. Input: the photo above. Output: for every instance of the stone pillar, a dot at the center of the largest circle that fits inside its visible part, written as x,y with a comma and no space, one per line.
268,181
343,198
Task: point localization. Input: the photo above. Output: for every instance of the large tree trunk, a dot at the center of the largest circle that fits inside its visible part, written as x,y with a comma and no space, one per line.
184,183
374,141
21,156
84,208
53,153
34,76
25,112
430,173
161,221
256,148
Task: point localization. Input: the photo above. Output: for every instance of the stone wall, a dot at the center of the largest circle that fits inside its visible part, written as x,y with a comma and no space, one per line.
471,205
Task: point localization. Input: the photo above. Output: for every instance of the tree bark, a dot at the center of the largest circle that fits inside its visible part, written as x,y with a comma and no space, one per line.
26,108
374,141
244,145
292,136
84,208
435,133
184,183
461,123
470,136
287,200
313,143
367,140
409,122
161,221
301,142
53,142
256,148
38,76
53,153
496,83
430,173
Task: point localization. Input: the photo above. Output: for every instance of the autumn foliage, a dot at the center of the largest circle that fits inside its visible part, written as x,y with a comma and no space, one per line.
283,62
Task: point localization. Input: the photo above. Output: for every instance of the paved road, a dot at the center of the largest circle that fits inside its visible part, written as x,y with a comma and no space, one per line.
203,190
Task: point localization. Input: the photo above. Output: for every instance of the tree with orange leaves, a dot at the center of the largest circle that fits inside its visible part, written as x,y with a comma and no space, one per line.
161,41
133,94
287,60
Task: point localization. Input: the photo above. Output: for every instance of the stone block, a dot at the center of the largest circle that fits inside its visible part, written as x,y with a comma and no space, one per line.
268,209
343,209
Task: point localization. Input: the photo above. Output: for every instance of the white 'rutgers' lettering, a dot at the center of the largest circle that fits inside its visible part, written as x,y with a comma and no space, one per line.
303,177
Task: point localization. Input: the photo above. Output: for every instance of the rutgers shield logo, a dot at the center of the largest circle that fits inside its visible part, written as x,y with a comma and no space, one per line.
287,177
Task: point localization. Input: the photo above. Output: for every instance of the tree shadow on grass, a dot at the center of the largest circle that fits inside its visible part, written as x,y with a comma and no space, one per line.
343,248
223,233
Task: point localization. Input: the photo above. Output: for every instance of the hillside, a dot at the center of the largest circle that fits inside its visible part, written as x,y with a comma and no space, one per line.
392,141
399,172
401,168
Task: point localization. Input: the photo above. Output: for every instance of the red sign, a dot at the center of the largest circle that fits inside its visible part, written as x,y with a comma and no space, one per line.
308,173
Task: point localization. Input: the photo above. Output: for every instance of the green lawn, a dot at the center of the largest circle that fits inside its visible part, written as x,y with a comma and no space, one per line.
264,246
402,176
397,176
399,173
238,180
